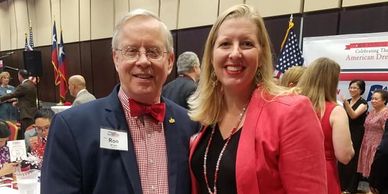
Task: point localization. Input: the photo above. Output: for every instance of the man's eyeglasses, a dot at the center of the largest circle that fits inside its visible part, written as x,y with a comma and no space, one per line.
133,53
41,129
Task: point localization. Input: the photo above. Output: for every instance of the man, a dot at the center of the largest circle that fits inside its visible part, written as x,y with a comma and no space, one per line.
378,177
185,85
77,88
124,143
26,95
42,121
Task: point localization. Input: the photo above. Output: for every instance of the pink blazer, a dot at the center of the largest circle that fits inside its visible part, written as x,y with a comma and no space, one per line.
281,148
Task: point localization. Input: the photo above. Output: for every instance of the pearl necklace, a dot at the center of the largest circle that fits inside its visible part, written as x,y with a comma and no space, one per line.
219,156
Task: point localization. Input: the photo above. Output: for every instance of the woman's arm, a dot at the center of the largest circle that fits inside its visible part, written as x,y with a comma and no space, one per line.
353,114
343,147
8,168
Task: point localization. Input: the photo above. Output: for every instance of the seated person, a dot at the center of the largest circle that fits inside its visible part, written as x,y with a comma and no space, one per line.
37,136
5,166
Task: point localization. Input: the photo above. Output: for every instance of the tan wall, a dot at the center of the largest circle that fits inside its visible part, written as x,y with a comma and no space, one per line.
348,3
314,5
83,20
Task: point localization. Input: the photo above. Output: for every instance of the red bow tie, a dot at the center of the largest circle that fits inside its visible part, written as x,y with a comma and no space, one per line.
155,110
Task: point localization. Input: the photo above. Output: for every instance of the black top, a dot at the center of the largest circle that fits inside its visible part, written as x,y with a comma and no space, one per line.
359,121
356,126
226,183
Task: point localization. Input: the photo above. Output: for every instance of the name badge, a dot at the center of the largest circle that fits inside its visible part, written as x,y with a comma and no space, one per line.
8,91
113,140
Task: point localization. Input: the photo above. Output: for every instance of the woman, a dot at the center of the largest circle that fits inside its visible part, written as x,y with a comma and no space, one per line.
5,166
319,83
374,130
292,76
356,108
255,138
7,110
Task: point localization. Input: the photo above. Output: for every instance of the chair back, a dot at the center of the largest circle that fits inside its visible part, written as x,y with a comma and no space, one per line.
14,129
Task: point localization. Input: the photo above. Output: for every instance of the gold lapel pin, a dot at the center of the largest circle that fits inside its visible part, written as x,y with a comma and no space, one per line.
171,120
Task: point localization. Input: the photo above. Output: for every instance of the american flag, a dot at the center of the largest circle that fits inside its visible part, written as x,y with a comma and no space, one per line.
25,42
31,42
28,45
290,54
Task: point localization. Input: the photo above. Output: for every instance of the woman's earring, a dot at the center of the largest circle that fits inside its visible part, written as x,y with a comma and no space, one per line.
257,77
214,79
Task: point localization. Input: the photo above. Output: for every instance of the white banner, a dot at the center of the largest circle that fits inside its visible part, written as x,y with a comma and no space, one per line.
353,51
361,56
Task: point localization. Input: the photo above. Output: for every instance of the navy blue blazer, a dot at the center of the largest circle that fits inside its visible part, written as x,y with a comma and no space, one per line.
378,177
179,90
74,163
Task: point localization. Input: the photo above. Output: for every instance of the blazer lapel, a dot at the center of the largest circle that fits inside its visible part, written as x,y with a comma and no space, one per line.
246,147
171,135
115,117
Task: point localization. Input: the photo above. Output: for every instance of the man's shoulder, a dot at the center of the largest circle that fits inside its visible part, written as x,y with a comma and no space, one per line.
86,94
93,107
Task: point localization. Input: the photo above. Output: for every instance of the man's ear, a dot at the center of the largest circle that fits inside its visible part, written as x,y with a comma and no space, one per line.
115,57
171,59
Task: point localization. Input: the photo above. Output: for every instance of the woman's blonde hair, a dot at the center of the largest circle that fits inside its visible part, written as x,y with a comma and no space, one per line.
207,102
292,76
2,75
319,82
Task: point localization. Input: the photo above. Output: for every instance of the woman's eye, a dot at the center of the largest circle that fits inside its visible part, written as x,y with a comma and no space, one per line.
224,44
247,44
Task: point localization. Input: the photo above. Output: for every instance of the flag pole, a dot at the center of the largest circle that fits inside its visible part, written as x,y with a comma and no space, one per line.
301,33
290,25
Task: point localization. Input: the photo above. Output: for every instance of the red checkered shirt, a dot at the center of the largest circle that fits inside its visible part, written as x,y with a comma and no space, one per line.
150,148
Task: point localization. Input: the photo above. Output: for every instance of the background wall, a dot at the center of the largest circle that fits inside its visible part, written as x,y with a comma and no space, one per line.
88,25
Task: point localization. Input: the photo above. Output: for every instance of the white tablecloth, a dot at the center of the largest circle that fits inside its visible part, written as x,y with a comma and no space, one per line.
58,109
7,190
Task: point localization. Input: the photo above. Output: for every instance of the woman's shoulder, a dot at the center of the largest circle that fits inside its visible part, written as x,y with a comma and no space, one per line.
284,103
291,99
363,101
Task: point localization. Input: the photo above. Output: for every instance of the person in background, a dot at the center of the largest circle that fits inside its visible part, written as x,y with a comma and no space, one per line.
26,94
6,167
374,130
7,110
180,89
292,75
77,88
319,82
36,137
132,141
255,137
378,177
356,108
